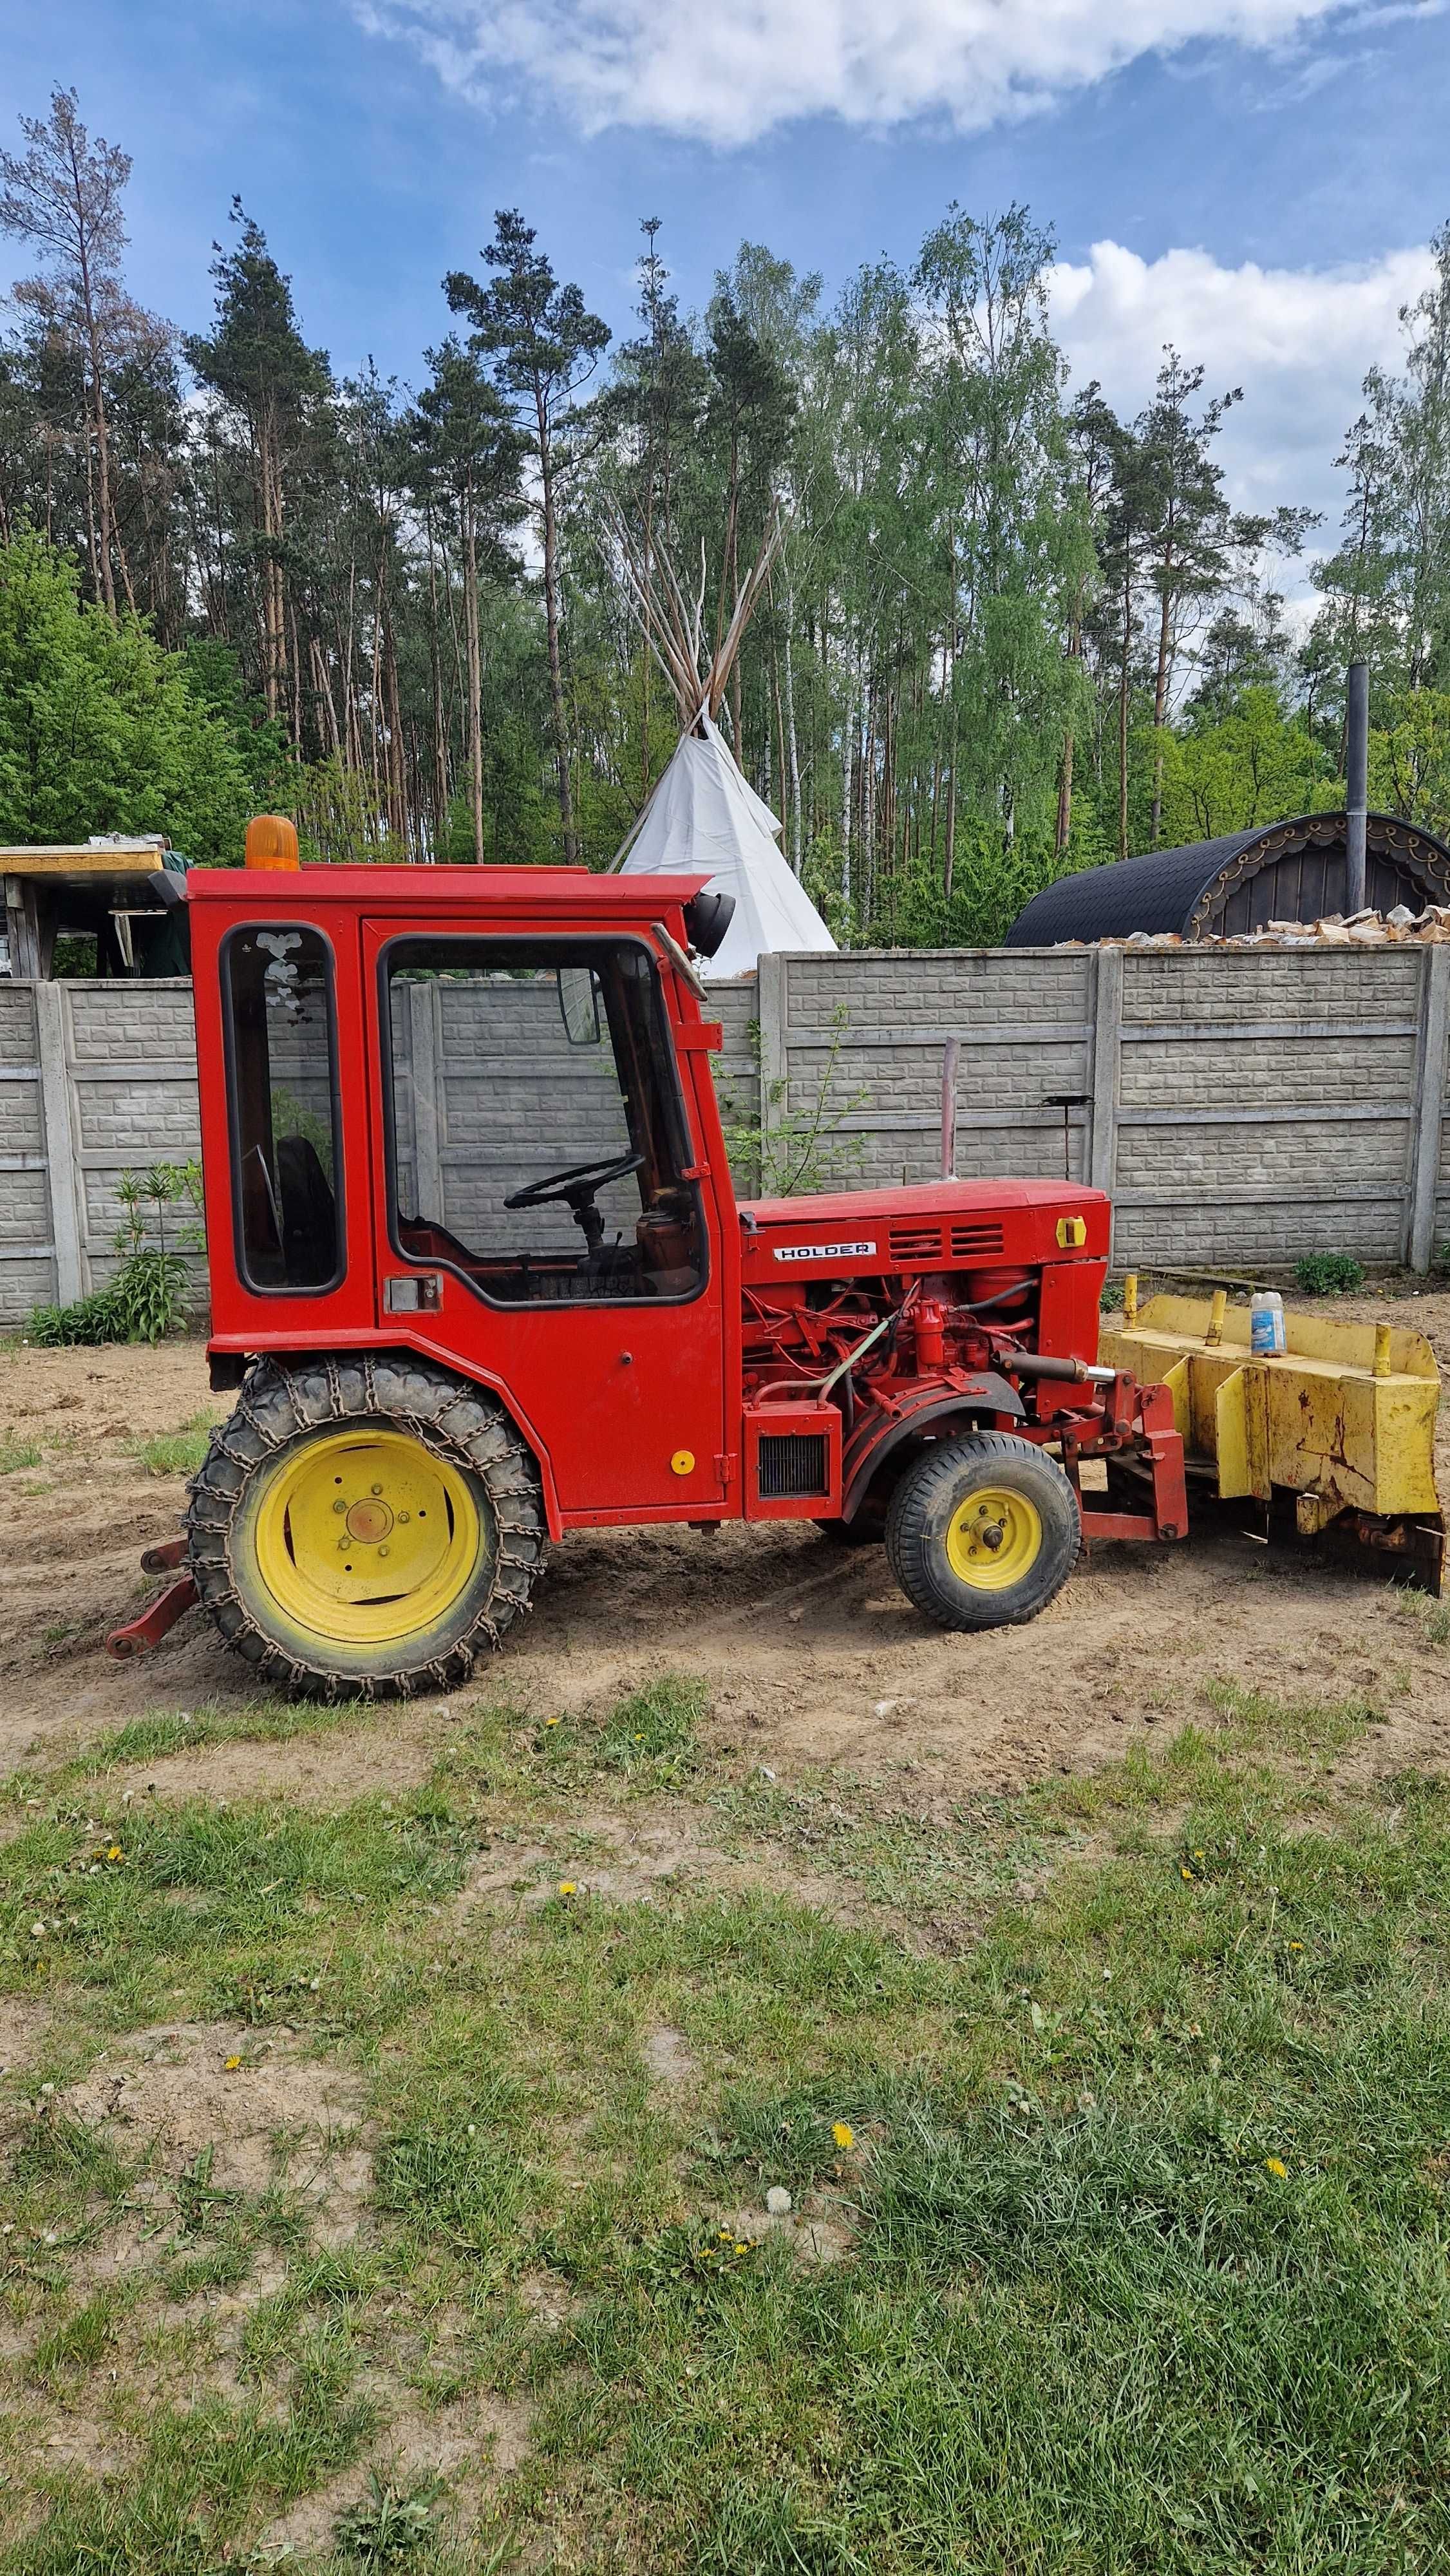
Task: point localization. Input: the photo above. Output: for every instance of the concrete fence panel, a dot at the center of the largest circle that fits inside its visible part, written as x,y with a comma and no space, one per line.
1241,1107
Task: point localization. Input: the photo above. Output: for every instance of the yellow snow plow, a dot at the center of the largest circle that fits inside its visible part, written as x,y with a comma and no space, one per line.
1339,1425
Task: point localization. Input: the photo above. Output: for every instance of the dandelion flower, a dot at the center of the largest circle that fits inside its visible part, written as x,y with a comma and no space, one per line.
115,1852
843,2133
553,1721
567,1887
1296,1945
1277,2167
232,2064
1185,1872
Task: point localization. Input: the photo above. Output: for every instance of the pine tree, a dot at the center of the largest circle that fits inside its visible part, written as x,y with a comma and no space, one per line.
545,346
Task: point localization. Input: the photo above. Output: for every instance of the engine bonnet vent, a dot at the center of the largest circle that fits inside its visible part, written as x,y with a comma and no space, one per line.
912,1244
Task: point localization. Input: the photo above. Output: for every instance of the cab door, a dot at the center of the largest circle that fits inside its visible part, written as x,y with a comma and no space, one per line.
545,1218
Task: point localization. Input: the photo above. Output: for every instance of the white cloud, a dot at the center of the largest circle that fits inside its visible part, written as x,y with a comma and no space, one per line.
728,71
1298,340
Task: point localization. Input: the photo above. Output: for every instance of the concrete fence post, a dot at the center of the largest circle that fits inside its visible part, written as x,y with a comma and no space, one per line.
1428,1106
57,1110
425,1039
1107,1008
774,1067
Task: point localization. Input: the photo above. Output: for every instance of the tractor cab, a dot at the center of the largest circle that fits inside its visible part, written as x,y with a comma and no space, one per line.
470,1111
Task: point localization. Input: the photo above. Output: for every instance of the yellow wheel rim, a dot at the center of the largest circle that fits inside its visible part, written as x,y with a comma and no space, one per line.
994,1538
364,1537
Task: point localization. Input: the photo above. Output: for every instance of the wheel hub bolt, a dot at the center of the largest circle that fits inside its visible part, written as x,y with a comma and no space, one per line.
992,1536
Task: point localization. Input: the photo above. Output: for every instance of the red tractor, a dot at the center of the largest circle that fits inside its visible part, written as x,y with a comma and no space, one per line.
479,1277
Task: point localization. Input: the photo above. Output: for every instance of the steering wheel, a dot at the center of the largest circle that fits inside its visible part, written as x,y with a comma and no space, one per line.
576,1188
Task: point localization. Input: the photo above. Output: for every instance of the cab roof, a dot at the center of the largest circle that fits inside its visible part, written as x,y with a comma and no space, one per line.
266,892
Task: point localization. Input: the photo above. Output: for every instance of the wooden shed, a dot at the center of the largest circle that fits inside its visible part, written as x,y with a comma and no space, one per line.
1275,872
99,888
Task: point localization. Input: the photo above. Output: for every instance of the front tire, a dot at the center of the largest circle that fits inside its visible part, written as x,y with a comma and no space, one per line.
365,1526
983,1532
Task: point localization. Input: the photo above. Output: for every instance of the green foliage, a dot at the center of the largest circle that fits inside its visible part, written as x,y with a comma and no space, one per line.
16,1453
99,730
176,1453
150,1296
386,2528
1328,1274
1253,764
806,1147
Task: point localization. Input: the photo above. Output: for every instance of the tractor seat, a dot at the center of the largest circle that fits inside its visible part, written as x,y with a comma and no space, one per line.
309,1213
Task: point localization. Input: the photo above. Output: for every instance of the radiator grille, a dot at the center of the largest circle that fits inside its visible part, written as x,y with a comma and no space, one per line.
928,1243
793,1462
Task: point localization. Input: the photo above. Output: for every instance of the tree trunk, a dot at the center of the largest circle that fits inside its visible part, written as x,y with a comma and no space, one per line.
1123,715
99,422
1160,698
1062,832
792,749
435,667
551,625
475,671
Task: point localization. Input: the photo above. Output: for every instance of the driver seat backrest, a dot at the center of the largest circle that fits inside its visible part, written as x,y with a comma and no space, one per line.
309,1212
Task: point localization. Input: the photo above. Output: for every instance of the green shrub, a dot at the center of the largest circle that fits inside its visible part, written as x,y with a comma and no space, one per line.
151,1292
1328,1274
99,1318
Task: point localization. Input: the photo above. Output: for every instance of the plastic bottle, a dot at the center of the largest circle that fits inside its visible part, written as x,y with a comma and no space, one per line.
1266,1322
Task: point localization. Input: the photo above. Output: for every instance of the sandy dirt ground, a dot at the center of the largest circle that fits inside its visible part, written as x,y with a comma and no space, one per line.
811,1654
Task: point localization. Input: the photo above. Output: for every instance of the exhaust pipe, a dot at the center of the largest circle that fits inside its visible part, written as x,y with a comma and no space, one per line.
1356,773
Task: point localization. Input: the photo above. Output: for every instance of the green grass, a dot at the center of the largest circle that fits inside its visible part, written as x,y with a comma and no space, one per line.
1431,1617
1137,2191
16,1453
176,1453
160,1732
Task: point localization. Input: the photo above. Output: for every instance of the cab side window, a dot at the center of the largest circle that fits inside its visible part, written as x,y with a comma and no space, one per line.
537,1139
284,1111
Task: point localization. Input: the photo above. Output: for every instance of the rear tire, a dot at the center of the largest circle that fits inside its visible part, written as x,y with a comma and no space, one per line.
364,1527
983,1532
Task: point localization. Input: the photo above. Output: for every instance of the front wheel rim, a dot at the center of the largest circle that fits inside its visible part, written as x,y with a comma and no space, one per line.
994,1538
365,1537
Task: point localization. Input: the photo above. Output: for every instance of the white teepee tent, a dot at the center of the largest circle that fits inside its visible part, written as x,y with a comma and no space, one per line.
702,813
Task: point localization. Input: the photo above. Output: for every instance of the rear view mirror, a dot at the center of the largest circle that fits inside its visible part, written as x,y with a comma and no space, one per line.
579,1005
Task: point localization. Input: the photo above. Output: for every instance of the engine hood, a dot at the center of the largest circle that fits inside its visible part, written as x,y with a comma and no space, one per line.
941,1225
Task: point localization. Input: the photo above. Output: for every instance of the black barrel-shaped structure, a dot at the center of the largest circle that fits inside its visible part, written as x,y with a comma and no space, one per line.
1274,872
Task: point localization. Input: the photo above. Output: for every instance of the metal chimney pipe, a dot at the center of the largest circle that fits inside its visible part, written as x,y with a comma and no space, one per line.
951,1057
1356,770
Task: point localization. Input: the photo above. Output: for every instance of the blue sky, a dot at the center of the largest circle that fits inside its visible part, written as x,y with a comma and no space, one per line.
1264,198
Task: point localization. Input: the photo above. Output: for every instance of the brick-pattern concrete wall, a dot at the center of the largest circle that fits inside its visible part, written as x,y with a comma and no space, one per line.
130,1058
737,1075
490,1095
1242,1107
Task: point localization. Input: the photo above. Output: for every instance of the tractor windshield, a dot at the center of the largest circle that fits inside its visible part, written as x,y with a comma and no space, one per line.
537,1141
